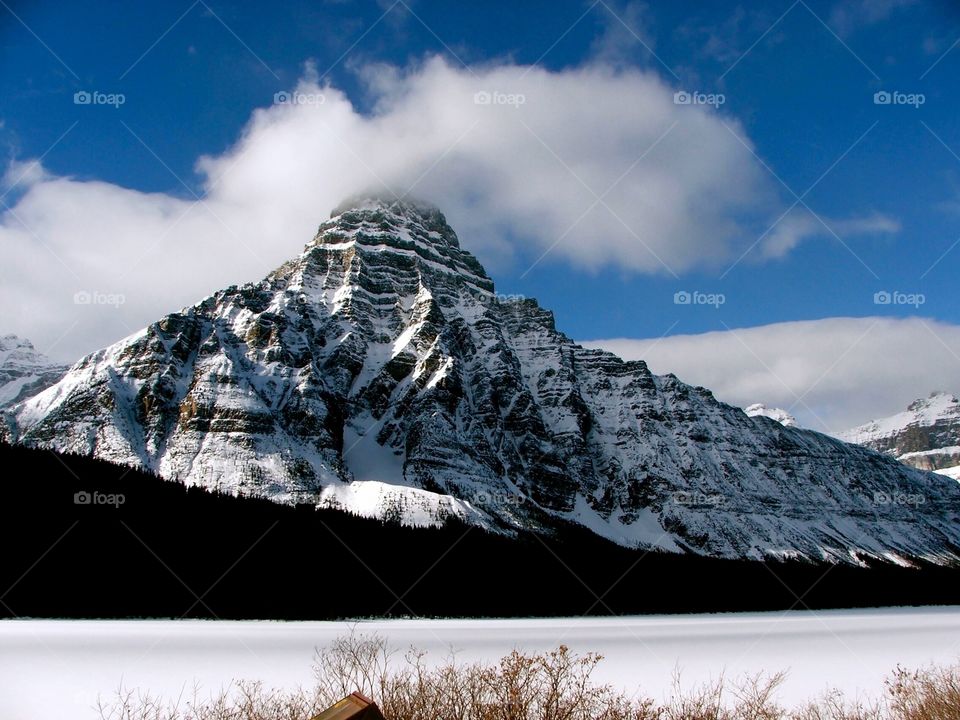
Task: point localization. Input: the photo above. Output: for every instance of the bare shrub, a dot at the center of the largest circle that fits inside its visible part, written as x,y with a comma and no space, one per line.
928,694
555,685
834,706
241,701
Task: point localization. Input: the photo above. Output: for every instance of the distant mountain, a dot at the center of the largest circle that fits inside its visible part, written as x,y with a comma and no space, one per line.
926,435
380,372
778,414
24,371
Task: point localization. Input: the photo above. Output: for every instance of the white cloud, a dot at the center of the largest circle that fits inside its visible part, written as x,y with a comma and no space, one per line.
625,32
831,374
849,15
801,224
515,178
22,174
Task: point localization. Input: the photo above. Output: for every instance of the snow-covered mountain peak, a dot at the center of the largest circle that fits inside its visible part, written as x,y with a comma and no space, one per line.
938,404
23,370
394,247
13,343
411,207
406,219
937,408
925,435
774,413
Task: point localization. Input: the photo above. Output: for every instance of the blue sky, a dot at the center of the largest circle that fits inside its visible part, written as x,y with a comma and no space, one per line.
798,81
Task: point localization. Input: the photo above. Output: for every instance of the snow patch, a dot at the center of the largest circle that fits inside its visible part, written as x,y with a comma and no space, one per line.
367,459
951,472
408,505
643,532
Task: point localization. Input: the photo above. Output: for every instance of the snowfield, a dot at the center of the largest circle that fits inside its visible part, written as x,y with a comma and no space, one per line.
55,669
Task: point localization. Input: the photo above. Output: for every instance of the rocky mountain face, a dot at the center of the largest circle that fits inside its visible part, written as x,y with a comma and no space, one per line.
23,370
926,435
380,372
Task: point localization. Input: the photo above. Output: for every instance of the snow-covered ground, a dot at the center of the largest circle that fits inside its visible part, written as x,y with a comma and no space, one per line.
55,669
953,472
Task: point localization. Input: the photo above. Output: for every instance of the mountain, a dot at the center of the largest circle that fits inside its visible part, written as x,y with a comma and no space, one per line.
926,435
380,372
23,370
778,414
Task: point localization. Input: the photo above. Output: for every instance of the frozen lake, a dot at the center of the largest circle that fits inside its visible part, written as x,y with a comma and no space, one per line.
55,669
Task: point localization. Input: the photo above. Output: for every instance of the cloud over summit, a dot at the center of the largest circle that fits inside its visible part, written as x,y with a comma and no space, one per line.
593,166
